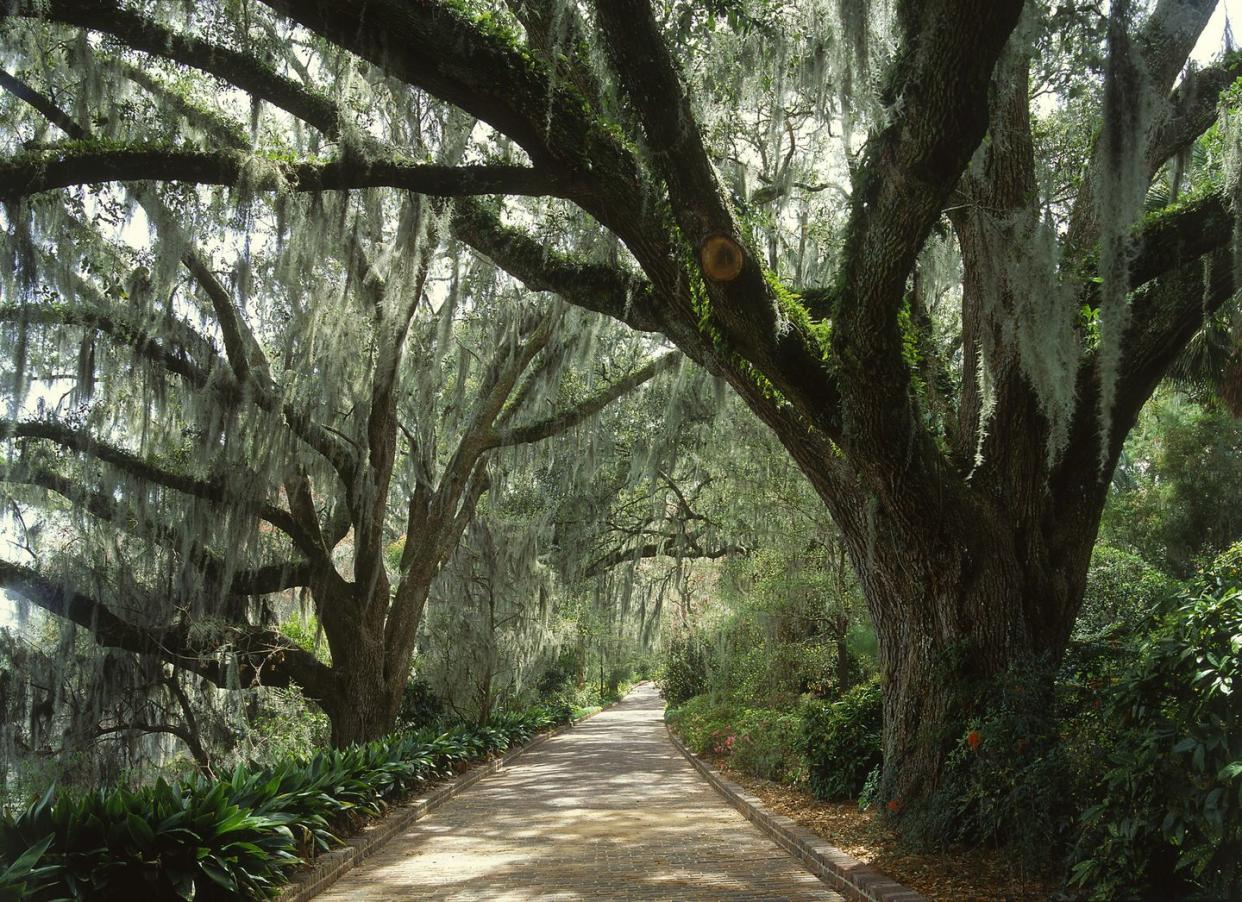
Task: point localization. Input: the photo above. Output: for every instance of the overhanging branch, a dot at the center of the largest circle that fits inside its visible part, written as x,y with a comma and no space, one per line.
263,656
566,420
126,461
605,289
105,507
235,67
31,173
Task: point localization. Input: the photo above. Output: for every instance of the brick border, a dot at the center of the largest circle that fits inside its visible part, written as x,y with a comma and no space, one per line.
842,872
331,866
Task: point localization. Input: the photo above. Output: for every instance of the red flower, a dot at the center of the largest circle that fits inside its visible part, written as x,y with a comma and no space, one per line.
974,739
894,806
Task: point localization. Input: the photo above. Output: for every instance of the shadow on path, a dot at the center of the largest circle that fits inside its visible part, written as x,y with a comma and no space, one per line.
608,810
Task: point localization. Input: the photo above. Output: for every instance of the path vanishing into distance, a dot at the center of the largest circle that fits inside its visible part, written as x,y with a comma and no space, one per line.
607,810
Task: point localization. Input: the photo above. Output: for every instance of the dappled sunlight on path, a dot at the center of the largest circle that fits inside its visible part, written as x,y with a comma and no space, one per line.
607,810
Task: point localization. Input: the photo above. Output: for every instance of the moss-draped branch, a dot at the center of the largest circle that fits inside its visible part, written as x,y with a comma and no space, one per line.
89,164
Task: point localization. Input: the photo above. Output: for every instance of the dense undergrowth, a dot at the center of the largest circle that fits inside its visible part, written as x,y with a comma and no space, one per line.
1117,772
240,836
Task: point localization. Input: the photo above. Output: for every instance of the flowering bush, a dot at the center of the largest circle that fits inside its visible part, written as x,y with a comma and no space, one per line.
758,741
1007,781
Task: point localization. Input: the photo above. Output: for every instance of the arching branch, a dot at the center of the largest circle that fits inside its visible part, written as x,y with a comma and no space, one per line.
606,289
128,462
103,506
682,547
568,419
264,657
1192,108
145,343
32,173
235,67
44,105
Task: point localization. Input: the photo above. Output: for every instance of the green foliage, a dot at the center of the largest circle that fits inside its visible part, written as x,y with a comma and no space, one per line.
19,879
420,706
1177,496
1008,779
307,634
1226,569
703,724
167,841
759,741
235,837
841,741
685,670
1122,592
794,624
766,744
1168,820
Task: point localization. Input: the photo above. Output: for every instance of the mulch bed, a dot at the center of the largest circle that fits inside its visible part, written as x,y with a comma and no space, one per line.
964,875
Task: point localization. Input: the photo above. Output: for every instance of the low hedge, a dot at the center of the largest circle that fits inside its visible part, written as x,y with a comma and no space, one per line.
234,837
761,742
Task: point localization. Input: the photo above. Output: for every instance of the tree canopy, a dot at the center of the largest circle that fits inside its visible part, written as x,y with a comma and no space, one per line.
301,254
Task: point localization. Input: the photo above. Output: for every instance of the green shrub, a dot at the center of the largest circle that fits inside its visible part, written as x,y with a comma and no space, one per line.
766,745
1122,592
1226,570
685,671
759,741
704,725
420,706
841,741
1168,820
231,838
1007,781
165,841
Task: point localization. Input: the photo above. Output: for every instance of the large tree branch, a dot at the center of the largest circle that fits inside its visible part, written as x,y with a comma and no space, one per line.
240,346
31,173
263,656
1163,43
44,105
436,47
128,462
1175,238
606,289
938,91
1192,108
681,547
144,343
1164,316
220,129
259,580
568,419
235,67
741,307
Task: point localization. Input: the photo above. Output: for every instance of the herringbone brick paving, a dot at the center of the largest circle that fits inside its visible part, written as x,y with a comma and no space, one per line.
608,810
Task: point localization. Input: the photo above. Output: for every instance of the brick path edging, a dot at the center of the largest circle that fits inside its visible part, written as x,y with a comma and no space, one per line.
331,866
841,871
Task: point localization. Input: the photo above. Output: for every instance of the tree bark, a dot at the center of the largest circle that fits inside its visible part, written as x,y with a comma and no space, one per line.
364,703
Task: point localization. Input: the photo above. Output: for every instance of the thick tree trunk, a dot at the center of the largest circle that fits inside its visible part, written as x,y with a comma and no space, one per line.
364,705
954,605
364,696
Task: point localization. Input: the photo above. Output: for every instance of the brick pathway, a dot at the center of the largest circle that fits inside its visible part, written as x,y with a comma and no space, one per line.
608,810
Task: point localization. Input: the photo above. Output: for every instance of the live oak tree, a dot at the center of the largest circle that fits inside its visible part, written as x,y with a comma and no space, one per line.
800,206
271,417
